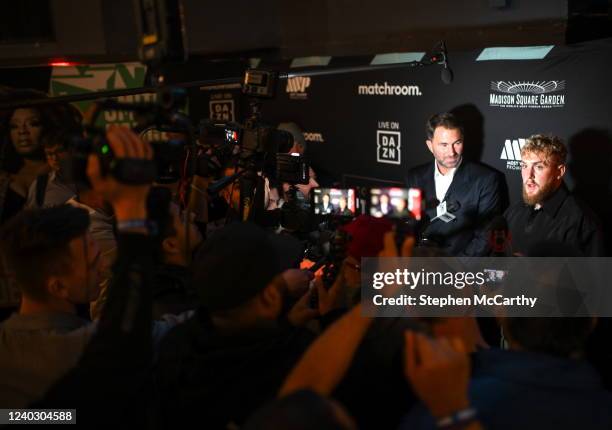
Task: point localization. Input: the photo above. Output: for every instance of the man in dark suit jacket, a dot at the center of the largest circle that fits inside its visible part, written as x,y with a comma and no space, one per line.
470,191
549,212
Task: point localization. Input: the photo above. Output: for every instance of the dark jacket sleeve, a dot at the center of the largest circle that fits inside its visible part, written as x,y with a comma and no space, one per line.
116,363
411,179
489,205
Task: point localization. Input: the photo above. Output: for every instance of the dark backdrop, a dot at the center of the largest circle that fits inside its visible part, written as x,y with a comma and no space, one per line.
348,131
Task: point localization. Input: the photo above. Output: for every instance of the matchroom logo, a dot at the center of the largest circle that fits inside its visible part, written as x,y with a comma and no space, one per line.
527,94
512,153
313,137
296,87
385,89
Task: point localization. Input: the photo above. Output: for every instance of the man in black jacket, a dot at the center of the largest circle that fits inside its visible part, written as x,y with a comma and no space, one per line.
548,211
178,237
233,356
460,196
56,264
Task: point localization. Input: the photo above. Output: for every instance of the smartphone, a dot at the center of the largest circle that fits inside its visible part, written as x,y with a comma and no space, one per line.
335,201
397,203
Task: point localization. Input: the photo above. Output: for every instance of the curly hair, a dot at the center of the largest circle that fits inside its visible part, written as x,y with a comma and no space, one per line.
549,145
56,120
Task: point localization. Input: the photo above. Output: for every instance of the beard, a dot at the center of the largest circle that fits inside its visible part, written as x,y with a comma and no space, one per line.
449,163
543,193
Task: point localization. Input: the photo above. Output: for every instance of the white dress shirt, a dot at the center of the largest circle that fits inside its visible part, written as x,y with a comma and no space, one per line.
443,182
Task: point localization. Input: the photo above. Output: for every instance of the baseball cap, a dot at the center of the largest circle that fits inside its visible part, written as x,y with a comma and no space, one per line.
240,260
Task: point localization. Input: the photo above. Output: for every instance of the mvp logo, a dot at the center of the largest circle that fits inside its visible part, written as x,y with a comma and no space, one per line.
298,84
296,87
511,152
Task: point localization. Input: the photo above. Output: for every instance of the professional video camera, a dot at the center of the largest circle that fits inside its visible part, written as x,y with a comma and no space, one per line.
256,139
164,115
259,152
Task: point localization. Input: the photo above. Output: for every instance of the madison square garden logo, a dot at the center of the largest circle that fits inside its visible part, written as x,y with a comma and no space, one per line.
527,94
388,143
296,87
511,152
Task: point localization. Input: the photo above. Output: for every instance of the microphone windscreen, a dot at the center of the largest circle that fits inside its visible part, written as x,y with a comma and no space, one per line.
447,75
452,205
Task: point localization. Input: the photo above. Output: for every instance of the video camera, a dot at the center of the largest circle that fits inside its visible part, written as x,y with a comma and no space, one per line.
259,152
256,151
256,144
165,114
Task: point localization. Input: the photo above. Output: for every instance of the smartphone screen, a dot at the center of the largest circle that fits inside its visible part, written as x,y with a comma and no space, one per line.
334,201
399,203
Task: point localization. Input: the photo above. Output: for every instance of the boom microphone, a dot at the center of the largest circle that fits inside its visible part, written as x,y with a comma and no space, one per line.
447,73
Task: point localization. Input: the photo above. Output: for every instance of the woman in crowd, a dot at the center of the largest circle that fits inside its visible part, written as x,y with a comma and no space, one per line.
21,153
22,131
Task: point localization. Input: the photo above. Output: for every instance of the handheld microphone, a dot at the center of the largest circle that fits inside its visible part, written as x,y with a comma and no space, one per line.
452,205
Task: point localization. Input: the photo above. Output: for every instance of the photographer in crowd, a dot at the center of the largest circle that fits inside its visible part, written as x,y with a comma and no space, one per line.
45,338
233,355
114,369
178,237
279,196
542,381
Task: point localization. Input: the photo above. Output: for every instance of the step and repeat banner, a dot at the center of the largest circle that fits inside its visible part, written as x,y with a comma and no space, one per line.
366,128
83,79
